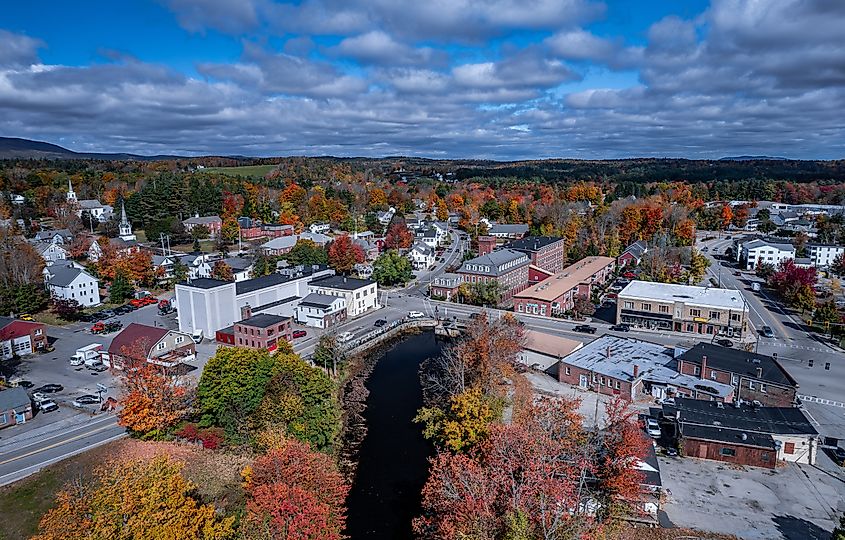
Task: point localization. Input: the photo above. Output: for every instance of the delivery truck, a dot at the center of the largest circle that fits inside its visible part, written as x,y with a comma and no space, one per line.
88,355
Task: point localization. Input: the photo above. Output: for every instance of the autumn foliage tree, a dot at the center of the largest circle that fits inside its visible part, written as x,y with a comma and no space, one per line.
222,271
398,236
294,494
344,254
140,499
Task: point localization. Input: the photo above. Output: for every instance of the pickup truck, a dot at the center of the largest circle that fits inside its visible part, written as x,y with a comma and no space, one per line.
585,328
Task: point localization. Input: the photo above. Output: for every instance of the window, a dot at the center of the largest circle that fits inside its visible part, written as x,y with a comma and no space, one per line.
646,307
161,346
763,388
695,312
715,315
734,316
568,370
179,339
37,331
601,381
789,448
764,456
629,305
751,385
664,309
696,370
616,384
734,379
712,375
727,452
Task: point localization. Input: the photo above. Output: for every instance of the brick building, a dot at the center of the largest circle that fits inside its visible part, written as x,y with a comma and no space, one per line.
556,295
743,434
507,267
262,331
546,252
445,285
21,337
756,377
634,369
212,223
486,245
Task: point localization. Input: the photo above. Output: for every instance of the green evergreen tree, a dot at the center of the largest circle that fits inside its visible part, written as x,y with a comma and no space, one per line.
120,289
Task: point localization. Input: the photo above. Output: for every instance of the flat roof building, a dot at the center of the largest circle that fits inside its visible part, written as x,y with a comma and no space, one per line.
556,295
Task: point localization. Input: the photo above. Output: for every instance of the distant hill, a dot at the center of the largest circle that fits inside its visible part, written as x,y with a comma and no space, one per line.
752,158
15,148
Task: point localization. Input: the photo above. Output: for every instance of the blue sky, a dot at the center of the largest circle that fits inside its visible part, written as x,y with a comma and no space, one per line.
501,79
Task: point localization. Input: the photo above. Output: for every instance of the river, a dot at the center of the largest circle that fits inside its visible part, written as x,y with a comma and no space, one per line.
393,457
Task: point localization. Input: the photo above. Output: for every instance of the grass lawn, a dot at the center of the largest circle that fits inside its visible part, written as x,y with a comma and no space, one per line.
250,171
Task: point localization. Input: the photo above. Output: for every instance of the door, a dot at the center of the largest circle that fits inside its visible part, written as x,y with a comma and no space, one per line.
582,381
702,451
20,418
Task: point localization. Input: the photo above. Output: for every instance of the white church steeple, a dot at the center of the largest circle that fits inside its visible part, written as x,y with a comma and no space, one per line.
125,228
71,195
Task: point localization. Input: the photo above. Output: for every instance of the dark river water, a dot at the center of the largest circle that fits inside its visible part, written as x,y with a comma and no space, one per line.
393,458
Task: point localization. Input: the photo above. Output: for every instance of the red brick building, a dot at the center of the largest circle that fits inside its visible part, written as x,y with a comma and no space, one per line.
507,267
556,295
486,245
445,285
262,331
546,252
21,337
756,377
537,274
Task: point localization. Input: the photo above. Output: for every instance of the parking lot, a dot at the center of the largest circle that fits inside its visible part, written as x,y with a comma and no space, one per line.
793,502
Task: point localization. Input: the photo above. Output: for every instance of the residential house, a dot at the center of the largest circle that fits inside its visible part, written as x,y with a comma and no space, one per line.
200,264
682,308
363,270
508,230
212,223
429,237
756,377
634,369
50,252
99,212
386,216
743,434
95,251
210,304
321,310
556,295
15,407
369,246
823,255
422,256
543,351
71,283
319,228
546,252
757,252
361,294
278,246
262,331
58,236
507,267
241,268
21,337
445,286
154,344
633,254
318,238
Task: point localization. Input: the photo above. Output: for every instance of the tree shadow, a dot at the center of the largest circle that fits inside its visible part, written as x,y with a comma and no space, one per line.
793,528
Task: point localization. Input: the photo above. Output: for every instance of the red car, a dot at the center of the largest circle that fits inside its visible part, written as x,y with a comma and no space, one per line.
299,333
137,302
629,275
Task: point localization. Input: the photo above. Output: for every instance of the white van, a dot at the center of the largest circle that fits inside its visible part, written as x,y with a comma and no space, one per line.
197,336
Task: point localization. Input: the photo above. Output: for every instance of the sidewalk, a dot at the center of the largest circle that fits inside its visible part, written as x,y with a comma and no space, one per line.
14,439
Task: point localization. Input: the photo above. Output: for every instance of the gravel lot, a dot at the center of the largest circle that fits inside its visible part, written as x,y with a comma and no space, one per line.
794,502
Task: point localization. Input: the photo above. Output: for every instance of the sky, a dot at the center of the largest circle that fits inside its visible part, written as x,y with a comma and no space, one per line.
486,79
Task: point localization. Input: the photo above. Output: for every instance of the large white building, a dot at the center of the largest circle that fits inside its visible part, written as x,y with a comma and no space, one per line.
361,294
210,304
823,255
756,252
72,283
422,256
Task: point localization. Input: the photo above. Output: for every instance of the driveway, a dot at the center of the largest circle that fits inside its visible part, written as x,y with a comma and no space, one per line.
793,502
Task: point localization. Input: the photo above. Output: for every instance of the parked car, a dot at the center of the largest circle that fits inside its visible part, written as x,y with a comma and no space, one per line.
652,428
416,314
738,273
380,322
474,316
85,318
766,331
585,328
724,342
108,313
50,388
86,399
98,368
25,317
299,333
629,275
620,327
47,405
345,336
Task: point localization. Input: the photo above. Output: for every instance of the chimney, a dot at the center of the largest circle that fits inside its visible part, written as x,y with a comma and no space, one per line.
703,366
246,312
759,372
636,370
607,351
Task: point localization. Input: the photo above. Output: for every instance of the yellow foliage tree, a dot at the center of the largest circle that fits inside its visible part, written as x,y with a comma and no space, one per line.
466,423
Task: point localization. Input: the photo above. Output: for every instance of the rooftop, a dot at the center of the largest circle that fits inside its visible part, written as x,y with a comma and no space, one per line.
263,320
616,357
282,242
205,283
342,282
319,300
136,335
549,345
508,228
62,276
202,220
728,435
687,294
774,420
15,399
494,262
782,246
567,279
637,248
739,362
533,243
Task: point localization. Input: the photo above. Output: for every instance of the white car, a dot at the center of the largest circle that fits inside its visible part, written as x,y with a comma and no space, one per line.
653,428
345,336
416,314
76,360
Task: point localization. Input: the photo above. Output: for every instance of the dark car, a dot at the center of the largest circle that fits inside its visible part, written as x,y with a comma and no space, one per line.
738,273
25,384
380,322
99,368
725,342
474,315
108,313
87,399
299,333
50,388
620,327
86,318
585,328
766,331
122,310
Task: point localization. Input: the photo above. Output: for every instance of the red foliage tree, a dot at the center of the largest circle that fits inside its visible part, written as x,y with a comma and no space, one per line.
398,236
344,254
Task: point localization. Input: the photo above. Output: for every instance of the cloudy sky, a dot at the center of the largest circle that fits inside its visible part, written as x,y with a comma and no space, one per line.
501,79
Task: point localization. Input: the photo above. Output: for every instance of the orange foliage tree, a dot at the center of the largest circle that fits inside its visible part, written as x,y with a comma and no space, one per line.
344,254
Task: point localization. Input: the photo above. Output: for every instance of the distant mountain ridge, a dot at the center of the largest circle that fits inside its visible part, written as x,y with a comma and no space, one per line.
16,148
753,158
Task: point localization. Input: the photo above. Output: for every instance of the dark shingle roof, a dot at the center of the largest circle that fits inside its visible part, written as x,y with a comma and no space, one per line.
342,282
142,334
250,285
726,435
14,399
531,244
62,276
263,320
206,283
739,362
746,418
318,300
